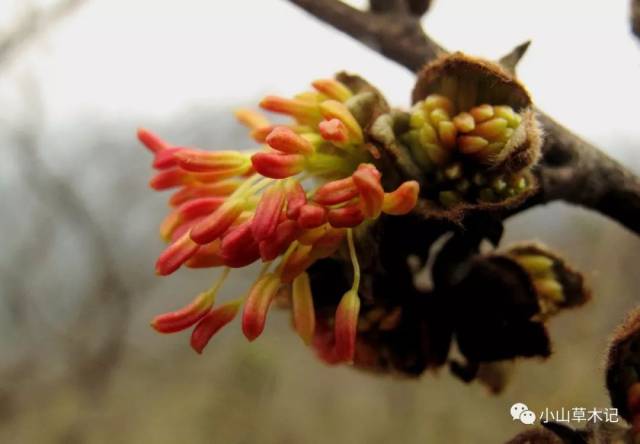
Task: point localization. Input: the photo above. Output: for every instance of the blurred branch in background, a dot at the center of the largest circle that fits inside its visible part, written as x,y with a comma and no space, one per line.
34,23
91,367
572,169
104,314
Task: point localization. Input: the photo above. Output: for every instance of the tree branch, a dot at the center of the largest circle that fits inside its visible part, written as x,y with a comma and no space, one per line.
397,36
635,17
571,170
575,171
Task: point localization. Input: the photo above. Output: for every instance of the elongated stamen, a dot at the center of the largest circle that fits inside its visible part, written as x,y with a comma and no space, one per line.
234,208
192,313
354,260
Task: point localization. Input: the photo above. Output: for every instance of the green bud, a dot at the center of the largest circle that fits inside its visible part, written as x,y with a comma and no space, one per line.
453,171
536,265
479,179
487,195
463,185
498,184
449,198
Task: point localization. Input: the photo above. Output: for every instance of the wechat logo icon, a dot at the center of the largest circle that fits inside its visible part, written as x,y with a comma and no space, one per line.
522,413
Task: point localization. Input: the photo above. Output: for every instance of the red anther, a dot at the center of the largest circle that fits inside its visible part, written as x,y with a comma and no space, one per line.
152,141
346,217
296,198
175,255
336,192
276,165
268,212
286,232
312,216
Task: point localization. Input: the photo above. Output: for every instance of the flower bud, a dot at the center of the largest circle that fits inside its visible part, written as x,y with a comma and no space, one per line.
296,198
268,212
287,141
295,263
310,236
216,189
367,180
151,141
334,130
464,122
346,217
257,305
211,323
346,325
225,163
402,200
312,216
286,232
189,211
278,166
556,285
166,158
239,247
175,255
170,178
304,317
332,109
623,369
482,112
328,243
505,114
336,192
301,110
251,119
208,255
333,88
185,317
214,225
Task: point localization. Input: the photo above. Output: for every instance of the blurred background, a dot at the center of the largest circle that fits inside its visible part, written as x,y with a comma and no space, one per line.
78,361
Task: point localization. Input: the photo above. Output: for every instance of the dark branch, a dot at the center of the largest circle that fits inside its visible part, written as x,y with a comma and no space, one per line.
397,36
414,7
571,170
575,171
389,6
419,7
635,17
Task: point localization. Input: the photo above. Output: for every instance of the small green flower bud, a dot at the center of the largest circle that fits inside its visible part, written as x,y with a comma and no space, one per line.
453,171
449,198
487,195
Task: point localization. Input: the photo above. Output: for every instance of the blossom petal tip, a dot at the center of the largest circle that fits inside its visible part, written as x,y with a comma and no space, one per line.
346,325
213,322
257,305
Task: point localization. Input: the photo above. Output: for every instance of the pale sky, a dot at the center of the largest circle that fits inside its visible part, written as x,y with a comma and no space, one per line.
148,59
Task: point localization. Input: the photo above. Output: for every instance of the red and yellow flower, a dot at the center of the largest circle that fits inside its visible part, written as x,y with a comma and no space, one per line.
293,202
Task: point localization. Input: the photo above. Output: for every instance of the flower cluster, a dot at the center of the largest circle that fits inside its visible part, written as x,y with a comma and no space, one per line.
457,148
294,201
540,269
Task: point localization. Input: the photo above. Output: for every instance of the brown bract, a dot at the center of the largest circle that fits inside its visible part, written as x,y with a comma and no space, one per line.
623,362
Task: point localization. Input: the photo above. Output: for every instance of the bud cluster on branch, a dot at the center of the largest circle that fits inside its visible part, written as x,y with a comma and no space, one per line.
319,188
295,200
